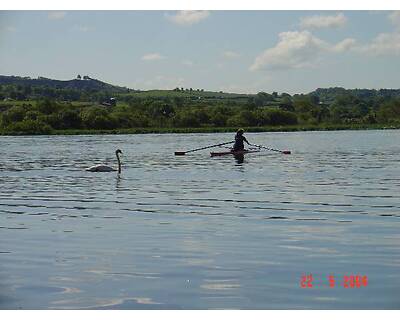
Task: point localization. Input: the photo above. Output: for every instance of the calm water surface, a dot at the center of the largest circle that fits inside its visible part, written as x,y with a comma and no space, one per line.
196,232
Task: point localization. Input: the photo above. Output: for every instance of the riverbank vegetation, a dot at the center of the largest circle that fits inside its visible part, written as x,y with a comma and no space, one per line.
91,106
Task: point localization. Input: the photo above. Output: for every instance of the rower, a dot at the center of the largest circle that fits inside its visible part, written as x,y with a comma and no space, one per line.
239,138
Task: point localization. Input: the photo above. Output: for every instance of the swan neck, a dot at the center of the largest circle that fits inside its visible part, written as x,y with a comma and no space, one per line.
119,163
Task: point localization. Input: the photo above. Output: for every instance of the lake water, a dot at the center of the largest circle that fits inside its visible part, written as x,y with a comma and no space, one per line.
195,232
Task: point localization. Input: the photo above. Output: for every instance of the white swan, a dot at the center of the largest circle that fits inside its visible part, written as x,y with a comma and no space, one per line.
105,168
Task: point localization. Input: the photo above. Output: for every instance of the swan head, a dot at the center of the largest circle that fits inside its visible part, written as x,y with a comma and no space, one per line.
118,151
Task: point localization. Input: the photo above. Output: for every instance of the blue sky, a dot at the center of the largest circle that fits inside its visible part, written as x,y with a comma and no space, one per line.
233,51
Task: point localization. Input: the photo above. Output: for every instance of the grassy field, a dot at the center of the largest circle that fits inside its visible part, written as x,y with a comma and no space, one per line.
219,129
186,93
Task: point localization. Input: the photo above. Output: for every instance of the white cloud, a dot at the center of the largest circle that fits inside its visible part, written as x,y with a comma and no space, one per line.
319,21
394,17
152,57
187,18
297,49
188,63
231,54
345,45
56,15
83,28
383,44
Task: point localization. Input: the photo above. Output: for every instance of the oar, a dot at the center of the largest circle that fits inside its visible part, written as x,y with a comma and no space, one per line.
182,153
284,152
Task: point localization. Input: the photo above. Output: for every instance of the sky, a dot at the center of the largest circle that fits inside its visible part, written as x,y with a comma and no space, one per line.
230,51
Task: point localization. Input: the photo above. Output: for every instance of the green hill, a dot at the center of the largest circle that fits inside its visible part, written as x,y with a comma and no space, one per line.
76,84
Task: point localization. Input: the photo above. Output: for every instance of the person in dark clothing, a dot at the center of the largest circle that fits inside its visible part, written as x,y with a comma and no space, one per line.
239,139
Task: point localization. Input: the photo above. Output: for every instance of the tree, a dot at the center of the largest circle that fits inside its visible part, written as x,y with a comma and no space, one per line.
69,119
306,106
389,111
262,99
46,106
186,118
275,117
96,118
243,118
27,90
349,108
218,119
14,114
31,115
280,117
178,101
160,109
286,104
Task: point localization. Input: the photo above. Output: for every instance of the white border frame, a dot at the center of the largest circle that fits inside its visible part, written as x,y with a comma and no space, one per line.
200,5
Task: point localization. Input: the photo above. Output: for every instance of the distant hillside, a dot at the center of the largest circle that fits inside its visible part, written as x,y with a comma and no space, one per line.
328,95
86,83
89,89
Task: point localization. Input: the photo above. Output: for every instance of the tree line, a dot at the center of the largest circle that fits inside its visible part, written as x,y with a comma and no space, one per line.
44,110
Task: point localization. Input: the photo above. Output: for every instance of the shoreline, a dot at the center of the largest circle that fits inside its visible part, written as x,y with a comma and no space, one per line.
295,128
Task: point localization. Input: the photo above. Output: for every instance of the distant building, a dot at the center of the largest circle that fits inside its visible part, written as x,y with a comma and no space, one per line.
111,102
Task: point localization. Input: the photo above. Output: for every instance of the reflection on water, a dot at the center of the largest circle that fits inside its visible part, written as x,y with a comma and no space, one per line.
194,232
239,158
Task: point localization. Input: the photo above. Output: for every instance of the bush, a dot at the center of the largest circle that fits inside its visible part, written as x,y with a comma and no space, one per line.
244,118
129,120
14,114
389,111
32,115
275,117
69,119
218,119
29,127
186,119
46,106
281,117
97,118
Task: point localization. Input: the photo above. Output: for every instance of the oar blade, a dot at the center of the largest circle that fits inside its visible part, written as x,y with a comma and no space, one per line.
182,153
286,152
